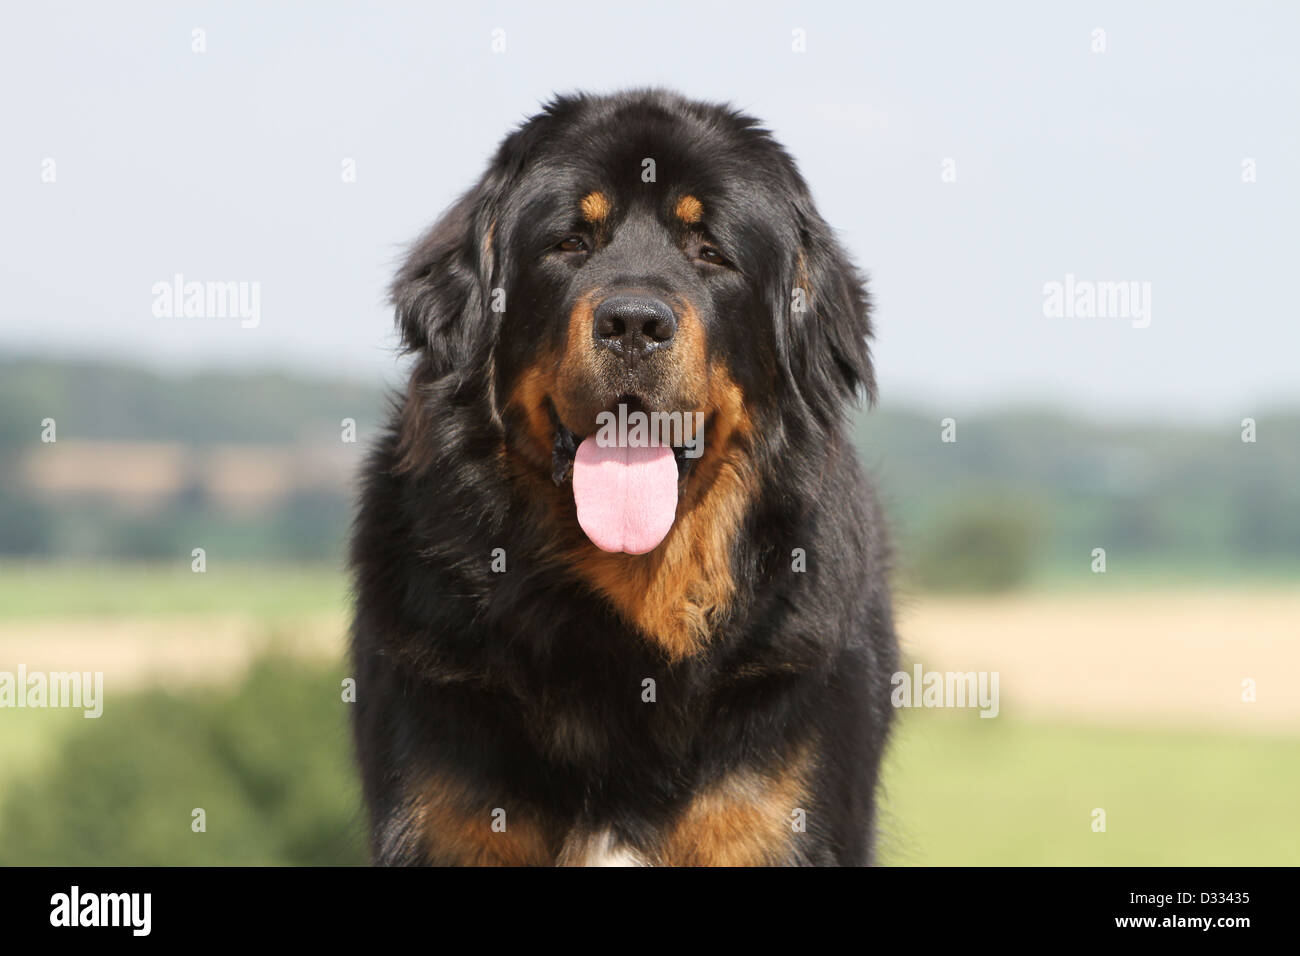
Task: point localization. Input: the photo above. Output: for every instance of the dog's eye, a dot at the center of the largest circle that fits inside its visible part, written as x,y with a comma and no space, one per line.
711,255
573,243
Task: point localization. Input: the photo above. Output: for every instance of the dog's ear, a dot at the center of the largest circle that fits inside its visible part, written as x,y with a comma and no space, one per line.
443,293
824,320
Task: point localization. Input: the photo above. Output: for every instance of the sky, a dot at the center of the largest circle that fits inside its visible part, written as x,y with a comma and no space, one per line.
969,156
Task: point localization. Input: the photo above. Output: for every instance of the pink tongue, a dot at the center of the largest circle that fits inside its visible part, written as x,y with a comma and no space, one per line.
626,497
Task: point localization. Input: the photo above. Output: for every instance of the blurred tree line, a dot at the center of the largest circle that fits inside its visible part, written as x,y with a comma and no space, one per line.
1018,492
1015,493
114,403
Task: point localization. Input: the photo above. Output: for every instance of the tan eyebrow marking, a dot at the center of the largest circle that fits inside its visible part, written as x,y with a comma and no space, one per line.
689,210
595,207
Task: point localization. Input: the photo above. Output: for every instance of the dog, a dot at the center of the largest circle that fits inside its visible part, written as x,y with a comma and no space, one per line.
576,648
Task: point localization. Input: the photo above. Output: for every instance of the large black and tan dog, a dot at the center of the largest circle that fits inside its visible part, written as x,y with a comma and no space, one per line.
572,654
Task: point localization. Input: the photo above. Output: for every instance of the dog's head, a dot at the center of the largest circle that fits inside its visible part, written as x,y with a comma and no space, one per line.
639,260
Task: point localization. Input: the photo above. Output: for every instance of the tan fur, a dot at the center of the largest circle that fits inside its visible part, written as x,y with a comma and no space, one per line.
595,207
744,819
529,396
802,280
689,210
457,830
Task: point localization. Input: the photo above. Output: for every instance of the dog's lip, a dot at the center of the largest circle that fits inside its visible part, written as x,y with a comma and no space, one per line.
566,448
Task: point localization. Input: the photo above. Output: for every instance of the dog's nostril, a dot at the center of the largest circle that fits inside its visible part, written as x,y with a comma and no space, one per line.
660,329
609,326
633,325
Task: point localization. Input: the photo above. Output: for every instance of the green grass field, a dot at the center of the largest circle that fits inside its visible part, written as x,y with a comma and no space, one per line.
268,592
961,790
267,757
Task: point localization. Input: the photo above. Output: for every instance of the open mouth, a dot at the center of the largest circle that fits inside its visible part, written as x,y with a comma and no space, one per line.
625,491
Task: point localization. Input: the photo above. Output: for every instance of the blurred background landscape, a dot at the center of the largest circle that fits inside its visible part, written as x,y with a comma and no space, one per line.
1120,690
966,155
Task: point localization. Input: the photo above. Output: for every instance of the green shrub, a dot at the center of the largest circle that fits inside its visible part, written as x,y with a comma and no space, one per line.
983,546
269,762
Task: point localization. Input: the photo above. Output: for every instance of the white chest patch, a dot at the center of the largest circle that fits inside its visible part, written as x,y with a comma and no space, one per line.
599,848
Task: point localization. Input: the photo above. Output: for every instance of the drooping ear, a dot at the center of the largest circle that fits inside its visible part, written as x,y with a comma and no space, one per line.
824,321
443,292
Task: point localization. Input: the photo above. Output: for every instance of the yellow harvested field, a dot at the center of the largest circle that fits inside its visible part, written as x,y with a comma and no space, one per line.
1172,658
163,650
1175,658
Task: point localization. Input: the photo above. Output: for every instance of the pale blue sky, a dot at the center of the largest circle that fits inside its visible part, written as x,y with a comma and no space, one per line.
1123,165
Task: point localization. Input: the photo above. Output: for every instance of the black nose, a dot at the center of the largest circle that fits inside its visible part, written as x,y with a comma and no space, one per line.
633,325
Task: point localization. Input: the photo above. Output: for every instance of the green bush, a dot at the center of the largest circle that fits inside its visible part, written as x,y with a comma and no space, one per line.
983,546
269,762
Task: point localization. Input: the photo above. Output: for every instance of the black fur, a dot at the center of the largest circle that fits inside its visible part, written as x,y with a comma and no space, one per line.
526,686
